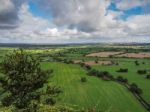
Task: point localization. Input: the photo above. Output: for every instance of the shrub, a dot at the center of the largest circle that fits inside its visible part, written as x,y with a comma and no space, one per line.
117,63
83,60
93,72
136,63
142,72
81,64
68,61
124,70
121,79
96,61
105,75
88,67
83,79
148,76
135,89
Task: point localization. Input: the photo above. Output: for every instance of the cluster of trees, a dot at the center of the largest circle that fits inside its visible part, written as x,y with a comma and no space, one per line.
59,54
124,70
135,89
121,79
107,76
67,61
23,81
100,74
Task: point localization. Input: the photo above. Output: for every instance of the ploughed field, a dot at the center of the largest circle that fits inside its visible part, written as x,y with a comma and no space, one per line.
95,93
120,54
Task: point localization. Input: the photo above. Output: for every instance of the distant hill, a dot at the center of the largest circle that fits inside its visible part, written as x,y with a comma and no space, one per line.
26,45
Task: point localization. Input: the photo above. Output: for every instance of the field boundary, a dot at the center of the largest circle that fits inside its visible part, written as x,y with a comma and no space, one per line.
137,96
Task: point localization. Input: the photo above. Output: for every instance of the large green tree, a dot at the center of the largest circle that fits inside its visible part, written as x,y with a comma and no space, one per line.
22,78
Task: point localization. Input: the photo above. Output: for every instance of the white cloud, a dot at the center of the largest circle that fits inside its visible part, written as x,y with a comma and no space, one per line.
28,25
76,21
85,15
6,6
139,25
128,4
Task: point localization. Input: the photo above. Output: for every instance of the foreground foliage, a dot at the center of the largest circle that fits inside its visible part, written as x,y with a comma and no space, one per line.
22,80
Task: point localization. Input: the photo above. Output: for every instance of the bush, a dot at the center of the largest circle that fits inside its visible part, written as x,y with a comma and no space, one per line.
124,70
135,89
96,61
105,75
117,63
88,67
83,79
136,63
68,61
142,72
93,72
148,76
121,79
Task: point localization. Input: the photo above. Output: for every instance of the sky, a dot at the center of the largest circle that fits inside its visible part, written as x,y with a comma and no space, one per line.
74,21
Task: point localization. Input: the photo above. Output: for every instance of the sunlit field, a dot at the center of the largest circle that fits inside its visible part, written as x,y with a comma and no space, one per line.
97,93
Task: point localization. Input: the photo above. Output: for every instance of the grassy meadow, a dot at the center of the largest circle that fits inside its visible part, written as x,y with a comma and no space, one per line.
131,75
104,96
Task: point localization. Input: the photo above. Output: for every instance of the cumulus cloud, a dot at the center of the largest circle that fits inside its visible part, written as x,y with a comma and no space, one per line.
85,15
9,13
27,26
139,25
128,4
72,21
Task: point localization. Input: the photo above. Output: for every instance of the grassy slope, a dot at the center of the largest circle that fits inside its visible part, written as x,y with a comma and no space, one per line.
132,75
106,96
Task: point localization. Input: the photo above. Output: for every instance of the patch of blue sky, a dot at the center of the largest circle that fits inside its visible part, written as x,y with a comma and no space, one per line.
113,7
35,10
132,12
126,13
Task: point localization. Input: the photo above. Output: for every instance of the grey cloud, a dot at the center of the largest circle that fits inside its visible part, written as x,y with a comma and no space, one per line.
82,21
85,15
9,13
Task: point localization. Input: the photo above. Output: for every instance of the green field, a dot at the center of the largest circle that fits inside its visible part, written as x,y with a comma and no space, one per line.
132,75
95,93
104,96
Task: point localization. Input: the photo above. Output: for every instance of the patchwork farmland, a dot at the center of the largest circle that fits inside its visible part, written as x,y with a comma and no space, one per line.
92,78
